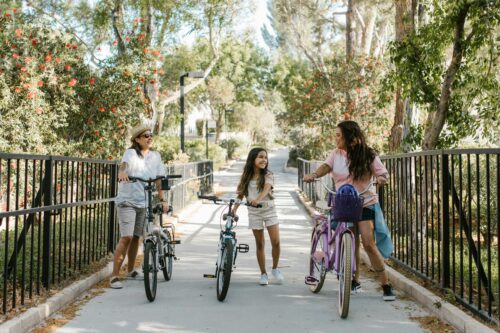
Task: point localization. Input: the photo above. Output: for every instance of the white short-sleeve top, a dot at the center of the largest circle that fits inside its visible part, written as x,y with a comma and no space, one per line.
149,166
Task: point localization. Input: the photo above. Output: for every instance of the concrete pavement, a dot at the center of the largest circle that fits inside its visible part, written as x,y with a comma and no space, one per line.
188,302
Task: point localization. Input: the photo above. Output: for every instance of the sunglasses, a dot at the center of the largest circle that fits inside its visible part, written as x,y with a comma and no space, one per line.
147,136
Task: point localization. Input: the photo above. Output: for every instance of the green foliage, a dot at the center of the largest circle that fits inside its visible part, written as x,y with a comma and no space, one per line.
318,102
421,62
235,147
168,146
196,149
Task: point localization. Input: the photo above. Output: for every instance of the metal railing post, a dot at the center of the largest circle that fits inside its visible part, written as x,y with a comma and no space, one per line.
445,224
47,216
111,222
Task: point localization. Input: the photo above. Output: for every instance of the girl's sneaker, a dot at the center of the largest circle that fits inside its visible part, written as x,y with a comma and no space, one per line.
115,283
277,275
388,294
264,280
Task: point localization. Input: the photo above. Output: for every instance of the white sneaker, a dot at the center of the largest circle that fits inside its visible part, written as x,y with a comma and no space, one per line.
135,275
277,275
264,281
114,282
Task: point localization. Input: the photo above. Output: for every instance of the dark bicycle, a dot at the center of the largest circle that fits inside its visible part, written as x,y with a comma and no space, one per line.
227,248
159,239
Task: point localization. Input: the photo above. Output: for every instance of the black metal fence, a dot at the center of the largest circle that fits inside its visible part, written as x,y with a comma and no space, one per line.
442,208
57,218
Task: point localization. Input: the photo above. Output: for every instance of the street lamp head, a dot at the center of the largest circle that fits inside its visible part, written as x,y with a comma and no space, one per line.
196,74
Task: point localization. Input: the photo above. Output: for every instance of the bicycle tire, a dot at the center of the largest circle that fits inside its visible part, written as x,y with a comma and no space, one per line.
317,269
224,270
150,270
168,255
345,274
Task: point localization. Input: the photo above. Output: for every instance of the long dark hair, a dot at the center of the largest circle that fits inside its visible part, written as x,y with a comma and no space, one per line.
248,170
359,155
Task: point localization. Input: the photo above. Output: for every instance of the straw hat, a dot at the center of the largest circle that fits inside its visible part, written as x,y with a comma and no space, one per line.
140,128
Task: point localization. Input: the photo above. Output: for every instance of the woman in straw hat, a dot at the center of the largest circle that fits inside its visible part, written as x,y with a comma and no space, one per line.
138,161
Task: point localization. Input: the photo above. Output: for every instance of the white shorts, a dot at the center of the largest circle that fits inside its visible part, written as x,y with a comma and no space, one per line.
260,218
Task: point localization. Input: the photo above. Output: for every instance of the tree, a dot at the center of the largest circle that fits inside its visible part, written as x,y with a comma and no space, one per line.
445,68
220,95
404,26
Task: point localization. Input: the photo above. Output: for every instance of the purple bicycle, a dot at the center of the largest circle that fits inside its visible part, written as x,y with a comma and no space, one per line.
333,243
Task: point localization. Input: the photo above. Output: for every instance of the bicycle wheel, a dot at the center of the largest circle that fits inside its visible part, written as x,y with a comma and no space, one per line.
150,270
317,264
168,254
345,274
223,274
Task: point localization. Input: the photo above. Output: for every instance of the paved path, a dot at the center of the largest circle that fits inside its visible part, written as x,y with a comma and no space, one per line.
188,302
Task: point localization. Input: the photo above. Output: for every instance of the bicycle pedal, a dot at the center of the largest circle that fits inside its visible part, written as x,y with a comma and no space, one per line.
210,276
311,280
175,241
243,248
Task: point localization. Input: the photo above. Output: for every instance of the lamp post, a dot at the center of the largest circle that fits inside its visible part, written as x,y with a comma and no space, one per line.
197,74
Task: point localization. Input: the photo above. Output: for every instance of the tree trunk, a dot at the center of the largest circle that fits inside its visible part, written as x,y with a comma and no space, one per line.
369,31
404,25
438,118
349,47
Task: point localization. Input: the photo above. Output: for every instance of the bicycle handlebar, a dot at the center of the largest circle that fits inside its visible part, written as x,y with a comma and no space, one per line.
152,180
216,199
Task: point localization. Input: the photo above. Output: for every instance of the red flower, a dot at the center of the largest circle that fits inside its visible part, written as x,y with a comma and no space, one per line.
145,50
127,39
119,124
41,67
19,32
34,42
96,132
26,85
75,47
17,90
15,56
113,109
58,60
40,83
68,45
115,42
72,82
91,81
67,67
23,69
48,58
31,94
102,108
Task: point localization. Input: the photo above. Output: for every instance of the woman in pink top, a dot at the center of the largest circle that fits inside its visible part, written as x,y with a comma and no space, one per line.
353,162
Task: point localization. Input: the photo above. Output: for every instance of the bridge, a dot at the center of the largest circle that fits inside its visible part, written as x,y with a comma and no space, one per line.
188,303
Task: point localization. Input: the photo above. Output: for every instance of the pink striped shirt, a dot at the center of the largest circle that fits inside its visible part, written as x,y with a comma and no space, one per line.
340,175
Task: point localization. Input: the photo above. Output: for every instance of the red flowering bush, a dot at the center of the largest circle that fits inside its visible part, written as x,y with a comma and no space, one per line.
53,102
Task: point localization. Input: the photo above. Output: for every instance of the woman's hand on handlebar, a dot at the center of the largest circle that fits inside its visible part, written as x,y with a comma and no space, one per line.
164,206
310,177
122,176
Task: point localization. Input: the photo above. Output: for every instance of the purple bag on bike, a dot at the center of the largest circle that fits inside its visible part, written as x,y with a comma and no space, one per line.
347,204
